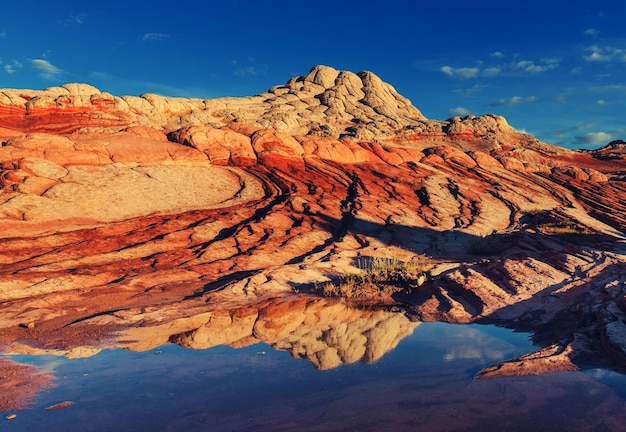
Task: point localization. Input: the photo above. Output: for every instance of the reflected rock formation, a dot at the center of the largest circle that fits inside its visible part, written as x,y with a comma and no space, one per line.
327,333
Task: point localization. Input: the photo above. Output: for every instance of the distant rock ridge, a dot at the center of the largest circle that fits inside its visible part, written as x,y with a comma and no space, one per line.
325,102
614,150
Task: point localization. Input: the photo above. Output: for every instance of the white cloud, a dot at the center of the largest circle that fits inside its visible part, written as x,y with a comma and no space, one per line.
529,66
600,102
101,76
154,36
522,66
491,71
551,60
3,35
596,54
46,69
461,73
592,32
12,67
249,70
609,88
471,90
605,54
562,136
459,111
593,138
515,100
245,71
76,19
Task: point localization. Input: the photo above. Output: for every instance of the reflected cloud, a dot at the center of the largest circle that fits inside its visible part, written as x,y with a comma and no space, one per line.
473,353
475,345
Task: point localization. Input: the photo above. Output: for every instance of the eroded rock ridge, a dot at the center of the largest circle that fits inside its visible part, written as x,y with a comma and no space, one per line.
325,102
131,212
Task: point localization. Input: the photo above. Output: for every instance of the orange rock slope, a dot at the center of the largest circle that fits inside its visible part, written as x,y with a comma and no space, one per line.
155,213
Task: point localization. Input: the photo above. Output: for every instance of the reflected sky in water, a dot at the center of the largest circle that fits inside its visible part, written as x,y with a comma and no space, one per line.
425,383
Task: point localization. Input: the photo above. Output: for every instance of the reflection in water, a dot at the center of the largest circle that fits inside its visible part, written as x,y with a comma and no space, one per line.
327,333
474,344
423,377
425,383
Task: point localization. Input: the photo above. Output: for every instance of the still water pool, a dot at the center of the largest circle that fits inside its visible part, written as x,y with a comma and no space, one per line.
425,384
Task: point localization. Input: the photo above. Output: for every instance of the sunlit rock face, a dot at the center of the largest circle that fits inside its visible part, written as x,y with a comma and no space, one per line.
165,205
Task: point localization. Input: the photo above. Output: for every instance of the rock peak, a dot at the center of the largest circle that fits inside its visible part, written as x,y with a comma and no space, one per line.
322,75
330,102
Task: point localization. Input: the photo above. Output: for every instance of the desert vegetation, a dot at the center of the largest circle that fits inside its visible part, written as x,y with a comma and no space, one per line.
379,277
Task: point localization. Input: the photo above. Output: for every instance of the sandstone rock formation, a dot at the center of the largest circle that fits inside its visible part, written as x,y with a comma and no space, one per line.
119,213
325,102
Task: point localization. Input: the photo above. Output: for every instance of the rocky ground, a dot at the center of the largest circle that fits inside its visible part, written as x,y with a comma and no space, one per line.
19,383
134,221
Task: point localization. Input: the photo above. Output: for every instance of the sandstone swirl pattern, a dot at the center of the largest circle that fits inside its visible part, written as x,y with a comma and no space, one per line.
138,212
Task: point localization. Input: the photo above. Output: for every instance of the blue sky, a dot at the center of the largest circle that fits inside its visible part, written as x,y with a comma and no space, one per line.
553,69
